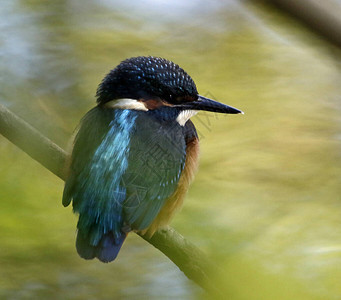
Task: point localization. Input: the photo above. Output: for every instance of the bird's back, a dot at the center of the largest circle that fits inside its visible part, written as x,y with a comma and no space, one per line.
125,165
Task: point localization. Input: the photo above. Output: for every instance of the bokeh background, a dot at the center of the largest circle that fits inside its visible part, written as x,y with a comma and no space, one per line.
266,202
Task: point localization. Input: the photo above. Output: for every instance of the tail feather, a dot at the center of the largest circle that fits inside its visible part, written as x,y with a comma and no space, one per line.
109,247
106,250
83,246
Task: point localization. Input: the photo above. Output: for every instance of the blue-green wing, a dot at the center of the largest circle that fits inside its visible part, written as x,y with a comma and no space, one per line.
125,164
156,159
91,132
99,160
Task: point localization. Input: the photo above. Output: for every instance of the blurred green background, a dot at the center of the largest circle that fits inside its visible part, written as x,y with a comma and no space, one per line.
266,202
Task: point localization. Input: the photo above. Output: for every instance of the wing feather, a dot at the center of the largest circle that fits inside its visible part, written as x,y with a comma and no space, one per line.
156,159
153,156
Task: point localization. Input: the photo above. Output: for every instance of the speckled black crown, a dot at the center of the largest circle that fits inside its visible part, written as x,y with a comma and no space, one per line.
147,78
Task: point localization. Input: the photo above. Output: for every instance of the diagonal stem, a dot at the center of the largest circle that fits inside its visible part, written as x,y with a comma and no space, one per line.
190,259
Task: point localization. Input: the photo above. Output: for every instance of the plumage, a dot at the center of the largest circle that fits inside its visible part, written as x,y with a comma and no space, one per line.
134,155
175,201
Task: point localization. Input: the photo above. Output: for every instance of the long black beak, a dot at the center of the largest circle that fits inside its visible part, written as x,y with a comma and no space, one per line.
207,104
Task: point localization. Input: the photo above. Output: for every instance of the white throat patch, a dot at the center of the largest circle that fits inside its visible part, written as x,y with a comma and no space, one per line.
185,115
126,103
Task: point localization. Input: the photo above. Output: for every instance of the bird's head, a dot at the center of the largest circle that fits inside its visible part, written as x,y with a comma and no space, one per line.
149,83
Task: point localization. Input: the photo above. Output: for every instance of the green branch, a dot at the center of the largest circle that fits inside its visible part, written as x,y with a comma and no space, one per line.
190,259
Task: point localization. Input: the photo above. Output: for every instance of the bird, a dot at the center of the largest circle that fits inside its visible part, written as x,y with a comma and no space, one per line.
134,154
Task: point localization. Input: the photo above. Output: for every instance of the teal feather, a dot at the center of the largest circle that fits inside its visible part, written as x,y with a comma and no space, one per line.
124,166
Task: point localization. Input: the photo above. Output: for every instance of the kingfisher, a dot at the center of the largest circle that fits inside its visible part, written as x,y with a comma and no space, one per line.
135,154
